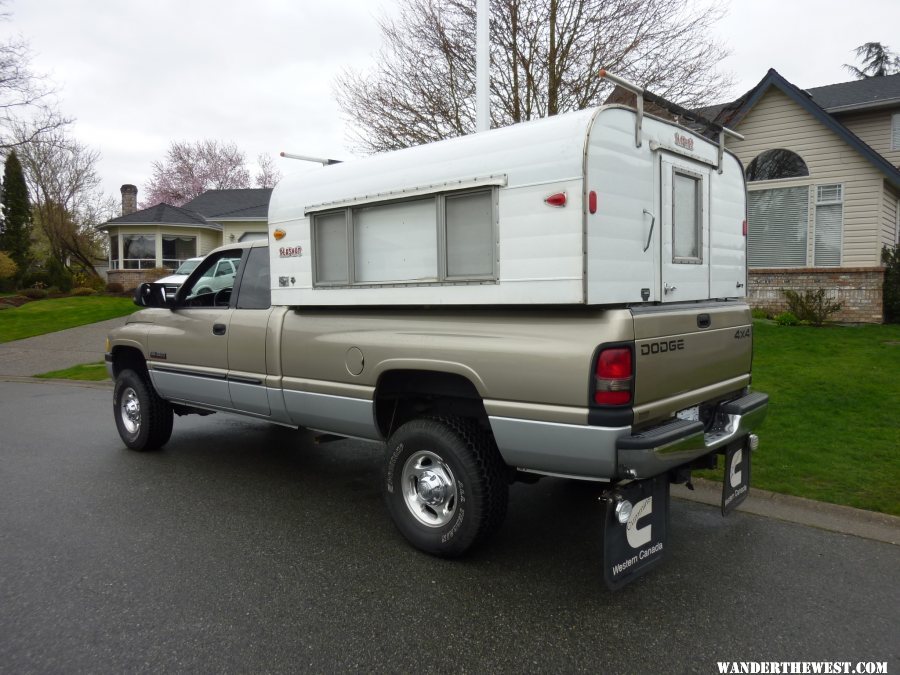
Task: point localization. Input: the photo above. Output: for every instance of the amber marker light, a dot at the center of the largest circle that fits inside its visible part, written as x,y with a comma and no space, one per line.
279,235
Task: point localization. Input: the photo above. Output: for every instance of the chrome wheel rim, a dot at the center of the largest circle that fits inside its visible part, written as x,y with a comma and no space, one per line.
429,489
130,411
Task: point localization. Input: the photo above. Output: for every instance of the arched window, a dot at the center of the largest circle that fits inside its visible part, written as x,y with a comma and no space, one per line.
775,164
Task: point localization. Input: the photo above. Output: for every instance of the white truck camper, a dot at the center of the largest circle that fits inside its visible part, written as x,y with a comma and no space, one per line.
598,207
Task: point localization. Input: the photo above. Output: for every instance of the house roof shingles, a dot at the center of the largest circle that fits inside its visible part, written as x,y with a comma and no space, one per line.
203,210
858,94
164,214
237,203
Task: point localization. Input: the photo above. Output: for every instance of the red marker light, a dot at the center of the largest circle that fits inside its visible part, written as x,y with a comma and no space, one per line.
559,199
592,201
745,228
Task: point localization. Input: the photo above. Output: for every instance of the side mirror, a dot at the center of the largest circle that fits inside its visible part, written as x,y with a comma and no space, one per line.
151,295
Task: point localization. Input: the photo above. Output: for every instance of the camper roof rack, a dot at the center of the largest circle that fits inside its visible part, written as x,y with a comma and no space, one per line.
642,95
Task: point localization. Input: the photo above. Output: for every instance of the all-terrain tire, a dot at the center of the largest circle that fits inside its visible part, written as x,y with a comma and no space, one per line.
144,420
445,484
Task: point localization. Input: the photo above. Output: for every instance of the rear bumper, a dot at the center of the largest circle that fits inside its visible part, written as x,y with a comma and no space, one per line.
663,448
614,453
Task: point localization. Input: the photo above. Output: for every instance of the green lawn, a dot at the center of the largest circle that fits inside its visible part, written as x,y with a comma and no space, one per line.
94,372
47,316
833,429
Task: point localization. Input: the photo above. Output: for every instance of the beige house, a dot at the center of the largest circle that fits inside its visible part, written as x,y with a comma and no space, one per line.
823,186
164,236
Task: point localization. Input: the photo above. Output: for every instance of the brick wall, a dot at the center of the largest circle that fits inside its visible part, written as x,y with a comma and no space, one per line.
131,279
858,288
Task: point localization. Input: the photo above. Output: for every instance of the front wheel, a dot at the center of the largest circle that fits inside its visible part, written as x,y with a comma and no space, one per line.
144,420
444,485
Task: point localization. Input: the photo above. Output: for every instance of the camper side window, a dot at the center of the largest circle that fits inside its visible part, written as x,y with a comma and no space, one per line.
448,237
687,218
331,248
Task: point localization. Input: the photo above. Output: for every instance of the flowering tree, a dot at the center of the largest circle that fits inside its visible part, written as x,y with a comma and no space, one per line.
190,169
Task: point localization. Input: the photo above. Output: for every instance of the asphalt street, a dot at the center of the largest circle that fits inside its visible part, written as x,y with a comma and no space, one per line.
245,547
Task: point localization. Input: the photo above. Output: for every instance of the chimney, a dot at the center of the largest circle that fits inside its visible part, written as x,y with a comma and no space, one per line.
129,199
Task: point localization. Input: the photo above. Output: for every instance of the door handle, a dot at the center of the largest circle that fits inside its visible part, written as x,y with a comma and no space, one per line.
218,329
669,289
652,223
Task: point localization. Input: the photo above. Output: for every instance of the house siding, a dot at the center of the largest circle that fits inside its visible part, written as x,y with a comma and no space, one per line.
208,241
874,129
777,122
240,228
889,206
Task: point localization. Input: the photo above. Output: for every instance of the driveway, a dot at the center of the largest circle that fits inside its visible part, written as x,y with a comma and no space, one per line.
55,351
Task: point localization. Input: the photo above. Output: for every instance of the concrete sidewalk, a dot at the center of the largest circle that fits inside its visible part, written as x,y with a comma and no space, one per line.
54,351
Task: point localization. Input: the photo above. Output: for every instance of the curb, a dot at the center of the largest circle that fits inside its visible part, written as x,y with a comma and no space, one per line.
832,517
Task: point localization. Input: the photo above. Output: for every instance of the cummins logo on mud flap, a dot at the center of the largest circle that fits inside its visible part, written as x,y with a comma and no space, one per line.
633,548
736,485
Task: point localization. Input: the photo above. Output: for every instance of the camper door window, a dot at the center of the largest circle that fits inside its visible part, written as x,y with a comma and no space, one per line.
687,218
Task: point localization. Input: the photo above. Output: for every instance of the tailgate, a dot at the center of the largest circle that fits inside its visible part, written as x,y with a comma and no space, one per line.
686,355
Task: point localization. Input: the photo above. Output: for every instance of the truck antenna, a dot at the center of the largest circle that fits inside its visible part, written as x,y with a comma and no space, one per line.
307,158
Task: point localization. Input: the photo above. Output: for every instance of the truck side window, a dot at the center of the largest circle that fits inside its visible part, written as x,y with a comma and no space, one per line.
212,288
255,291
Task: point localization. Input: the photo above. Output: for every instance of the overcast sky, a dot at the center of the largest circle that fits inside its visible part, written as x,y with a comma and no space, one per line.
137,75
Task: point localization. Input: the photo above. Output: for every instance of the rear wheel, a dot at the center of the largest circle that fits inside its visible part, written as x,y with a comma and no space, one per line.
143,419
444,484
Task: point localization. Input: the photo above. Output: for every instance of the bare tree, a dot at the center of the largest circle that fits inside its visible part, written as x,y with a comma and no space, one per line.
66,196
27,99
877,60
192,168
268,174
545,59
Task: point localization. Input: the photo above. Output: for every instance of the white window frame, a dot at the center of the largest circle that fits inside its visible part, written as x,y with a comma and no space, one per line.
140,261
440,232
837,200
698,216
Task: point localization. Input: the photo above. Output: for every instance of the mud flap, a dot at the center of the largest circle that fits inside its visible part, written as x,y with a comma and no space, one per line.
736,483
639,545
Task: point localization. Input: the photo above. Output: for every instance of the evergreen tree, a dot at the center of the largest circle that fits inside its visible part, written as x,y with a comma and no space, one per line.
16,235
877,60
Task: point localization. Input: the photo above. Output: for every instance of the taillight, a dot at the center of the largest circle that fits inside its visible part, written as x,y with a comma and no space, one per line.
744,228
613,376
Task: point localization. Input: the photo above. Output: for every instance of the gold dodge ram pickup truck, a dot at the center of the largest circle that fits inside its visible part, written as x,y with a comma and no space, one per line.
465,399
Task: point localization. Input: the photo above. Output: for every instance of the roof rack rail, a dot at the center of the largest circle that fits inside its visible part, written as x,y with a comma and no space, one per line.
642,95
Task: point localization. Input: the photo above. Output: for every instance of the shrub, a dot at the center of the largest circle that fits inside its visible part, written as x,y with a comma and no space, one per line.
787,319
82,279
8,267
115,287
53,290
81,290
811,307
35,293
59,275
890,256
760,313
35,279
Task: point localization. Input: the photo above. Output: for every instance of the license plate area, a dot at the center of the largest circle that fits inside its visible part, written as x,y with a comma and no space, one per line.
736,482
691,414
